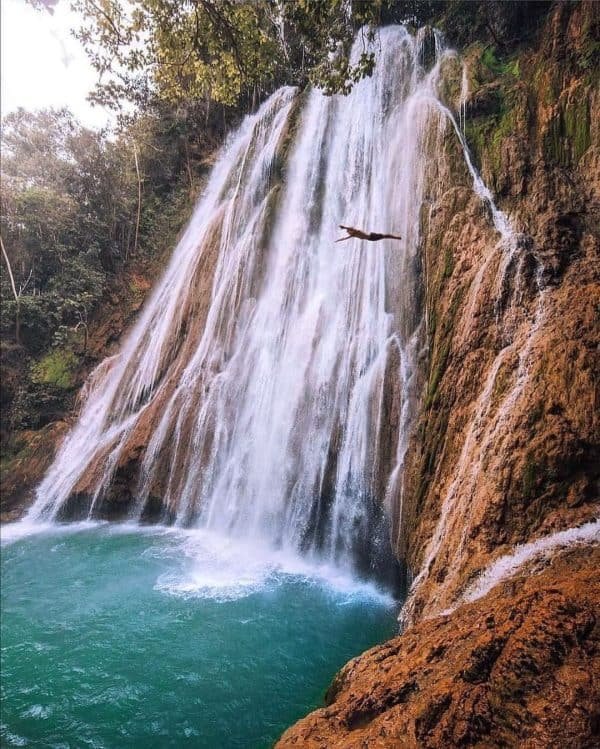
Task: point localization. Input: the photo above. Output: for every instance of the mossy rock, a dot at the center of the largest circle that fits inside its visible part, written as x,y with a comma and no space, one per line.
498,66
56,368
568,134
532,477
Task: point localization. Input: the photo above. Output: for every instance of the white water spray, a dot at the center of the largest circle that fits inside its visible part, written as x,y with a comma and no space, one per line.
267,415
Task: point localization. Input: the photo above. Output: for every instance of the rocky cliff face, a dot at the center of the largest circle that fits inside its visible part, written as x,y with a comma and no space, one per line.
506,452
517,669
36,447
507,444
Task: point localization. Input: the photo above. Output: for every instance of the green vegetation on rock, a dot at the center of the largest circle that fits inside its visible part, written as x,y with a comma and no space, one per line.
530,476
498,67
568,135
55,368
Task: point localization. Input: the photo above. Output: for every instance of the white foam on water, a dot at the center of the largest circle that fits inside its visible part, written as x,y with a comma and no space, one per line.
12,739
209,565
37,712
222,569
12,532
214,568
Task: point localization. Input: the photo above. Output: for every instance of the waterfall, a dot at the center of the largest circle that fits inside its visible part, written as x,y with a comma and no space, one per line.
267,389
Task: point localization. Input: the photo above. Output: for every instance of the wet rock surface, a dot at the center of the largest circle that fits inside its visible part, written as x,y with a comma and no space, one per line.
518,668
508,444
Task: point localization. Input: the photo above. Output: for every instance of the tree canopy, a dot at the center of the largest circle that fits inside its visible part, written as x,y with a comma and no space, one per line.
226,51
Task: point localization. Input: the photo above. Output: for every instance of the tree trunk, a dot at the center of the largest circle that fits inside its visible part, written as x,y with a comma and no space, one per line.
139,203
14,290
188,167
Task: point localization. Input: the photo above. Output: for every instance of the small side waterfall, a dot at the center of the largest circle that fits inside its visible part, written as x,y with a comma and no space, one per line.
268,388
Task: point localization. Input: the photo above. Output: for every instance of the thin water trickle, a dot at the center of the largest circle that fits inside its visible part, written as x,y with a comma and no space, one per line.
521,555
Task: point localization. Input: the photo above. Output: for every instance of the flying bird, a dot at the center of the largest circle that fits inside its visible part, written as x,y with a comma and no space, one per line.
370,237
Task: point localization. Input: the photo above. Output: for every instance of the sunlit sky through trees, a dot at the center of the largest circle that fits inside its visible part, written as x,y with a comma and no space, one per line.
43,65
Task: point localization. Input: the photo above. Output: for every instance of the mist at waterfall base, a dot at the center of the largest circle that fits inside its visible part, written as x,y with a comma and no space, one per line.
268,430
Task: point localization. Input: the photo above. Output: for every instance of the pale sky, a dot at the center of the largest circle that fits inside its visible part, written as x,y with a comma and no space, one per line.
43,65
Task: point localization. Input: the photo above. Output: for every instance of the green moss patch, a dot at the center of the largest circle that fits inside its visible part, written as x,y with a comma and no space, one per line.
532,476
568,135
57,368
509,67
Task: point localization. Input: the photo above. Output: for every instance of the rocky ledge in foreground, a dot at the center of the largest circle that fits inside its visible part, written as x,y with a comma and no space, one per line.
517,668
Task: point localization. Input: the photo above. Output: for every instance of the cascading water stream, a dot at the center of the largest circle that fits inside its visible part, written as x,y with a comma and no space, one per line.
279,408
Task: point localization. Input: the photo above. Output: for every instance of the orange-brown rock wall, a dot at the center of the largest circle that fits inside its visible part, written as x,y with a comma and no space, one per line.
519,668
506,449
